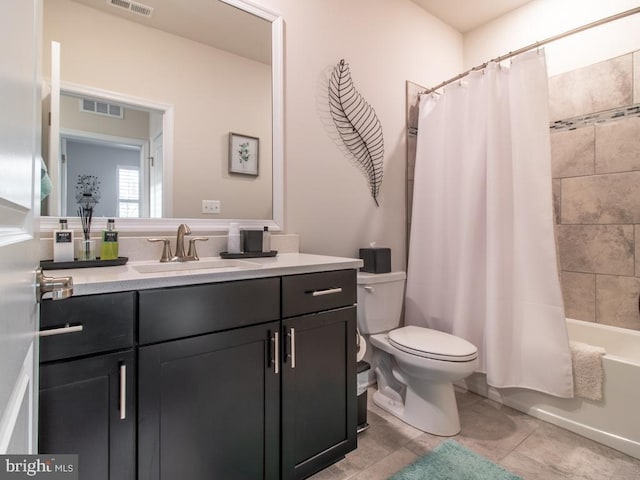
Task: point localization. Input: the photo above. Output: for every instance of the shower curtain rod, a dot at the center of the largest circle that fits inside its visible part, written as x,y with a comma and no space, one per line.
597,23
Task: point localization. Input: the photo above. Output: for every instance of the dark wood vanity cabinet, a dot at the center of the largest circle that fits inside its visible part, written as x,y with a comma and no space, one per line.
209,405
319,401
269,399
251,379
87,390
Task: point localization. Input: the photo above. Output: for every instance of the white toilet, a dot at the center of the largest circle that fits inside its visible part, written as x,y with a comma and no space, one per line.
415,366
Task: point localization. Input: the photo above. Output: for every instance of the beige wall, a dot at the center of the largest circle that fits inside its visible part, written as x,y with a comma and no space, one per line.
134,124
541,19
213,93
386,42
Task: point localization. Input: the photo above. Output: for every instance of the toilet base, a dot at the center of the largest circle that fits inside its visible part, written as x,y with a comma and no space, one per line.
430,407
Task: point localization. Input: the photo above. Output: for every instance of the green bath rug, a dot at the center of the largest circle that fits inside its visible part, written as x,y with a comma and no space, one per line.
452,461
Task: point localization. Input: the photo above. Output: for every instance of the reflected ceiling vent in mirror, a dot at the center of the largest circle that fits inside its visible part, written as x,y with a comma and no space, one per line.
133,7
113,110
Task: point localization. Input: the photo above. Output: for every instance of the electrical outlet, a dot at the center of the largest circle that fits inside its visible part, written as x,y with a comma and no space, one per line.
211,207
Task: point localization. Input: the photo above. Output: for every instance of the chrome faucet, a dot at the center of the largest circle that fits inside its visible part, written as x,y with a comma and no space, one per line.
181,256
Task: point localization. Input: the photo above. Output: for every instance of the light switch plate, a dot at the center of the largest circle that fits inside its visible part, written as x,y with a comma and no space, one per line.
211,207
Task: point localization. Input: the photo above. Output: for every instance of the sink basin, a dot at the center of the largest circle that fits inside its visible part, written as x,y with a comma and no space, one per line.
224,264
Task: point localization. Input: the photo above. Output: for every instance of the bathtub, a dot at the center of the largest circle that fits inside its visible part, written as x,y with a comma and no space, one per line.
614,421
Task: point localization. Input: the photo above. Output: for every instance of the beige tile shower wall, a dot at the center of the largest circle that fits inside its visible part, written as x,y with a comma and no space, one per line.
573,153
612,198
596,189
595,88
579,295
618,145
602,249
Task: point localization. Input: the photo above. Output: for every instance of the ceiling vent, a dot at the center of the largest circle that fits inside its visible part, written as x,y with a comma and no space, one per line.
133,7
113,110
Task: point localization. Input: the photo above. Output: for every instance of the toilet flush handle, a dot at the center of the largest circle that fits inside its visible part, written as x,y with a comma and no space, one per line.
369,289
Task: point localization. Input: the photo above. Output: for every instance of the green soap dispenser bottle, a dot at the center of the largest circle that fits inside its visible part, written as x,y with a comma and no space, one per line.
109,248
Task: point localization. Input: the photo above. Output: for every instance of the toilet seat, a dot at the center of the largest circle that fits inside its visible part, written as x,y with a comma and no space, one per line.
432,344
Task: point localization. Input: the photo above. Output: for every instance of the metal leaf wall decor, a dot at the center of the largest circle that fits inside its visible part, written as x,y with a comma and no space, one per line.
358,126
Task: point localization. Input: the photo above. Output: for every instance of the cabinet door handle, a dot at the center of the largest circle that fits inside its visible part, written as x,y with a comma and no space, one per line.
275,347
60,331
123,391
292,346
328,291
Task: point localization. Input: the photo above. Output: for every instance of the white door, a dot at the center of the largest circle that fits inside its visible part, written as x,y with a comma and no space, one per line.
20,37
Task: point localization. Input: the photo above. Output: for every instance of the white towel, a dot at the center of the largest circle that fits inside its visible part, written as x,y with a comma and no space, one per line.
45,182
587,370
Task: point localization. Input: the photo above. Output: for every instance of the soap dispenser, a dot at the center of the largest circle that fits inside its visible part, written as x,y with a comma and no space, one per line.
109,247
63,243
266,240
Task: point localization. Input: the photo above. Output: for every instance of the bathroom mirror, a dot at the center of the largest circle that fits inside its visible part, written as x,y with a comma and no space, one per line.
165,65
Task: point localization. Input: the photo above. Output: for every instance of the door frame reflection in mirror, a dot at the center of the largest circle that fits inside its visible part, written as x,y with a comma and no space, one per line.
126,101
113,155
276,223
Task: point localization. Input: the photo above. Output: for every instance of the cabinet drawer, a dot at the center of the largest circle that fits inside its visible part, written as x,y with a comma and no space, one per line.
171,313
107,323
314,292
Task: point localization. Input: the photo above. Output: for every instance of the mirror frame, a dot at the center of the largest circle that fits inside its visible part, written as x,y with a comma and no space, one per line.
140,225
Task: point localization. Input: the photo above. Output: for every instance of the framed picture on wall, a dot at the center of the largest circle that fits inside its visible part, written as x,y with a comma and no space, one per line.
243,154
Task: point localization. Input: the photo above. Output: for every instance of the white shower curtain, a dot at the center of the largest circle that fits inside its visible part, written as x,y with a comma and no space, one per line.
482,259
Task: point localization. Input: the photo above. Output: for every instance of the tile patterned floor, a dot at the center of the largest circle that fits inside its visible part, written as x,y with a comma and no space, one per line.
531,448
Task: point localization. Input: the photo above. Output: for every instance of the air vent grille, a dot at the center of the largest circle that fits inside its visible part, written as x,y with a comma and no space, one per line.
120,3
88,105
133,7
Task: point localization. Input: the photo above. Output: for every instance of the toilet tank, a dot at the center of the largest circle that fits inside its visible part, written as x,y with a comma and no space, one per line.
380,297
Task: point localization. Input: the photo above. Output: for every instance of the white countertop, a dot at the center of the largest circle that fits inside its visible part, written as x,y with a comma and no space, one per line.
89,281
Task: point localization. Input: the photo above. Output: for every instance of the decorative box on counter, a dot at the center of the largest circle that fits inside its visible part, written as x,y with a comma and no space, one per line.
251,240
376,259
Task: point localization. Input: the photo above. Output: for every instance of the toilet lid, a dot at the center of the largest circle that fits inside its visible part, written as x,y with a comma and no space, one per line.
432,344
